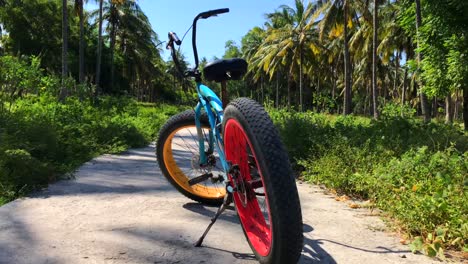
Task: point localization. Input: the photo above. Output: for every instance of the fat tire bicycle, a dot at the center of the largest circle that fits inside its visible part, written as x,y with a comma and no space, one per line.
217,156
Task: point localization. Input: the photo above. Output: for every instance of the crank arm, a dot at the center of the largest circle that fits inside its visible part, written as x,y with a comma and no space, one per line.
200,178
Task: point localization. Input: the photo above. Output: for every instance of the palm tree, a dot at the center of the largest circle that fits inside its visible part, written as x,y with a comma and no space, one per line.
288,44
2,4
347,62
250,45
424,101
113,19
374,59
63,91
79,11
131,36
393,38
338,16
99,48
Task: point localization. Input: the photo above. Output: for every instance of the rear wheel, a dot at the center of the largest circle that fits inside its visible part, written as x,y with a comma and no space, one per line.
177,151
265,196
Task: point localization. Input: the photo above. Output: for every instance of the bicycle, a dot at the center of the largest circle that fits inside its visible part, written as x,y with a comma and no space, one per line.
218,156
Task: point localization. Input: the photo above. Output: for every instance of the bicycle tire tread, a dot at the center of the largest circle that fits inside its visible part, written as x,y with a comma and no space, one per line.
284,198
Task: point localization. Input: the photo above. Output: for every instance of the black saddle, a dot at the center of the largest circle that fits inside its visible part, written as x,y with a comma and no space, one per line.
224,70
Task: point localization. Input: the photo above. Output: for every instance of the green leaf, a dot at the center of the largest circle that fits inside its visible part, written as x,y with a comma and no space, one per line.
416,245
431,251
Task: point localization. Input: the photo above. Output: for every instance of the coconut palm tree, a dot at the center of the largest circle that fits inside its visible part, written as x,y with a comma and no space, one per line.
80,12
288,44
131,35
63,91
250,45
99,48
374,58
337,19
424,101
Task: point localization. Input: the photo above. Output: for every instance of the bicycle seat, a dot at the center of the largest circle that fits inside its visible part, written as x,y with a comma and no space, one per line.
224,70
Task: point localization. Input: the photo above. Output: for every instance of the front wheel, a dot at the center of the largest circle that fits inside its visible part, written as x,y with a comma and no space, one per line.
265,196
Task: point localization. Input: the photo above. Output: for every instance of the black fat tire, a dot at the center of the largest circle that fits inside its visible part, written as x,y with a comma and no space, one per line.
283,198
182,119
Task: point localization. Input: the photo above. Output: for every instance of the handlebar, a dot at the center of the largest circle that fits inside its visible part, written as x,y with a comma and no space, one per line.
211,13
173,36
203,15
174,39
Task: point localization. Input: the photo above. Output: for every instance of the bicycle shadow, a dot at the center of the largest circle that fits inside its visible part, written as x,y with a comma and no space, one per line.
209,211
312,252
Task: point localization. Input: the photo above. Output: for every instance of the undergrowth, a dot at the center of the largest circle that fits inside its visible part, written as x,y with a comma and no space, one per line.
41,139
415,172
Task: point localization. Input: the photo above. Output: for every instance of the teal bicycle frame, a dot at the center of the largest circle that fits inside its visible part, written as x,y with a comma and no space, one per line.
210,102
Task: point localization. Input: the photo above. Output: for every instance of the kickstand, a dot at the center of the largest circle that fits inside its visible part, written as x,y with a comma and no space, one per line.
227,201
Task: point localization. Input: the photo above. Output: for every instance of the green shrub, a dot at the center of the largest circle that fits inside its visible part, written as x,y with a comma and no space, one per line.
18,77
41,139
20,172
415,172
427,192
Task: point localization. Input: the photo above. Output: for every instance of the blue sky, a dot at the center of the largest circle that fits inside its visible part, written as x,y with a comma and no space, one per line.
212,33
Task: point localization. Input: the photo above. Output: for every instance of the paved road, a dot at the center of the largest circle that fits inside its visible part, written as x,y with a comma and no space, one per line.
120,209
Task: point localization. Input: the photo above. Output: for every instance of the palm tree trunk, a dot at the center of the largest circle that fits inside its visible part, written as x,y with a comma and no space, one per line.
403,93
395,79
63,90
112,45
289,91
456,105
301,108
347,64
374,61
448,109
424,101
81,52
261,90
99,50
277,89
465,107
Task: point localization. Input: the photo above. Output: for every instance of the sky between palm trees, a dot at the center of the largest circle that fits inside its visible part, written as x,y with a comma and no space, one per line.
177,16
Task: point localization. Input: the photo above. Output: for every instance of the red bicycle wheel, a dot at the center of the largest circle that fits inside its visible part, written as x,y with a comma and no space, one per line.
253,210
265,193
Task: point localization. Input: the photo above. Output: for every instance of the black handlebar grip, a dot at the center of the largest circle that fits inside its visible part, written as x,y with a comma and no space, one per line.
173,37
215,12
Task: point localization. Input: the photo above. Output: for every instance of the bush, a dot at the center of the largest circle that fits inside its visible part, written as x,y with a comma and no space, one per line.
413,171
427,193
42,139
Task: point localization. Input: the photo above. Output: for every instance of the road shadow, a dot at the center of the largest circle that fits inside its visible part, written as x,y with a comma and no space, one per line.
378,250
236,255
110,174
18,237
173,247
312,251
209,211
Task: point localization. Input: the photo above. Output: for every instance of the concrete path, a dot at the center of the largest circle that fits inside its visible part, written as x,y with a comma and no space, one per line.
120,209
